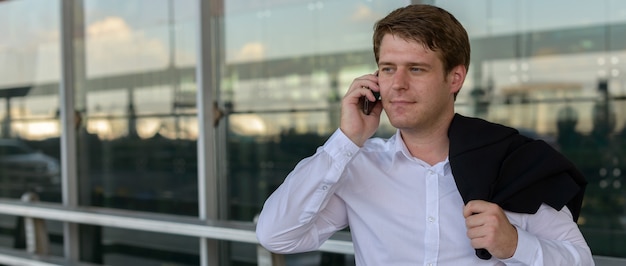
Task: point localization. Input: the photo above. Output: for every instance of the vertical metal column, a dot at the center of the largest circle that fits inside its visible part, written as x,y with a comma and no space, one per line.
68,134
207,177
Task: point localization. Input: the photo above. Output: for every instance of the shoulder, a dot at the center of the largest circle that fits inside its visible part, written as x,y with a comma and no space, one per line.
472,127
470,133
380,144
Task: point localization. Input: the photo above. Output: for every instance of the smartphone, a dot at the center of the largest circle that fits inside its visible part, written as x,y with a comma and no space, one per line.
368,105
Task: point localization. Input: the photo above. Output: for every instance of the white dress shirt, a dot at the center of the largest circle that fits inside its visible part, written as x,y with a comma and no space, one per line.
400,210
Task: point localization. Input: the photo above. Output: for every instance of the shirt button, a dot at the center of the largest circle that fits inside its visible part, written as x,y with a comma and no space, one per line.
349,154
430,172
324,187
431,219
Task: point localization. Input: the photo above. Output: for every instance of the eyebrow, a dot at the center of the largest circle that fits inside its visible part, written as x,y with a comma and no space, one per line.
419,64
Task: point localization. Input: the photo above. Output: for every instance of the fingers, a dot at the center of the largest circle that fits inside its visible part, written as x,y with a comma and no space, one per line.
489,228
480,213
369,81
361,86
476,206
356,124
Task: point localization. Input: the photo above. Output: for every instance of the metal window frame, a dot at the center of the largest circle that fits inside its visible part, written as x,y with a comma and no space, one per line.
208,193
69,179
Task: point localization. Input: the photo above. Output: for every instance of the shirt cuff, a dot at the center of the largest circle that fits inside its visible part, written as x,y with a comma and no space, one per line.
340,148
527,249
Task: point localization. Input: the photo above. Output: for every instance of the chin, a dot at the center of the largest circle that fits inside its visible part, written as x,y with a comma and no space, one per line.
401,123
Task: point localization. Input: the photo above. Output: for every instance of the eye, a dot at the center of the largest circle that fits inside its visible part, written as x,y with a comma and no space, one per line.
386,69
416,69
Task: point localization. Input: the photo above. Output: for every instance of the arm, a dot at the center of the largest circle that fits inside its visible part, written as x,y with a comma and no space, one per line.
550,237
304,212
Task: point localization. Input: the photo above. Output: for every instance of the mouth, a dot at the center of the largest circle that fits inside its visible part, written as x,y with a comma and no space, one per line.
401,101
399,105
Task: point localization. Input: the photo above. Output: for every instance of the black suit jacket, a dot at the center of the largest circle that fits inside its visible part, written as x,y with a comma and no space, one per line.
495,163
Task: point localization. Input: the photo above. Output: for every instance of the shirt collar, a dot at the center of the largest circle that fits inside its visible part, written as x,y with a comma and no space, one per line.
401,152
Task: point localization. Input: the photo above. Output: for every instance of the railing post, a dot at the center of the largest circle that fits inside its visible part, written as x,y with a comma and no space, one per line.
35,230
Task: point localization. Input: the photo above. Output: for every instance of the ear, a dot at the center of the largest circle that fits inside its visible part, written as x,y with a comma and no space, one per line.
457,77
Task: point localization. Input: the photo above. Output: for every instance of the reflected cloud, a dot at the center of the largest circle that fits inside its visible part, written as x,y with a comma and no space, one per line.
113,27
37,130
363,13
253,51
147,128
114,47
248,125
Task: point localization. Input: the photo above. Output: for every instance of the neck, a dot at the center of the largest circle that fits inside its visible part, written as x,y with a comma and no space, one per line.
431,145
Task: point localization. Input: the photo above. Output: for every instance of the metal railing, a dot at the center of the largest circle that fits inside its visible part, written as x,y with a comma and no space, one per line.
34,213
37,212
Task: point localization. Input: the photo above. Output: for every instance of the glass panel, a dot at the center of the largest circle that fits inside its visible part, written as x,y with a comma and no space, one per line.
136,100
284,96
138,147
558,76
283,82
29,102
29,68
130,247
553,76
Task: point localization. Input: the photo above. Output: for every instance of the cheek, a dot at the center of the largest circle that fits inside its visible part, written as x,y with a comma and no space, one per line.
384,86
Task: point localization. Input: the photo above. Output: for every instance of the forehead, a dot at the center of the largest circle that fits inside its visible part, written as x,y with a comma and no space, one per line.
395,48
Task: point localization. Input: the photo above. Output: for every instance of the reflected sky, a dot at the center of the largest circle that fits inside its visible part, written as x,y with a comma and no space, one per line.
122,37
513,16
125,37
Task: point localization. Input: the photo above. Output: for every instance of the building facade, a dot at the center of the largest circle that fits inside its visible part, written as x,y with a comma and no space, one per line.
195,111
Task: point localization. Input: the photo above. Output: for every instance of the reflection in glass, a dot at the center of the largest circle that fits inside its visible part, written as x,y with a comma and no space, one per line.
29,144
29,125
130,247
137,131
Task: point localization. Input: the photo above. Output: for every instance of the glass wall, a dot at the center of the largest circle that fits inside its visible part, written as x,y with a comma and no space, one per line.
29,60
558,76
135,111
29,107
283,67
553,75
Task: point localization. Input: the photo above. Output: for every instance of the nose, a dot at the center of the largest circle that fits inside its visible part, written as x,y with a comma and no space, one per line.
399,80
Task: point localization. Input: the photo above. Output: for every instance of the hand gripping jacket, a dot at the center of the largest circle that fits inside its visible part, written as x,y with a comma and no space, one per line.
495,163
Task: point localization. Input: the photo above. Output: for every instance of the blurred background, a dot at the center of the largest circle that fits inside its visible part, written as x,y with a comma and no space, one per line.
273,80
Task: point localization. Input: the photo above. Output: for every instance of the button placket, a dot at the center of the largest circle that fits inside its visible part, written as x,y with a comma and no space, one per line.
432,213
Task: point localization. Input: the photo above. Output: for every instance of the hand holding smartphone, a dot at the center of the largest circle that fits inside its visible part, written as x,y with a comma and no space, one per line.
367,105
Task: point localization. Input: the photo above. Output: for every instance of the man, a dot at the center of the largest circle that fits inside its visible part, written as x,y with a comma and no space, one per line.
427,195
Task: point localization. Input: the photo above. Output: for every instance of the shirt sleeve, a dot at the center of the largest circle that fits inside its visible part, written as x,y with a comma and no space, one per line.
304,211
549,237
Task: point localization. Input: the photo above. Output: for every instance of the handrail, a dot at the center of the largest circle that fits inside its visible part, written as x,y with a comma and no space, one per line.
161,223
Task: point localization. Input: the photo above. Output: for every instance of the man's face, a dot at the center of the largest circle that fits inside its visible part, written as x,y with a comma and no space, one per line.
415,90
